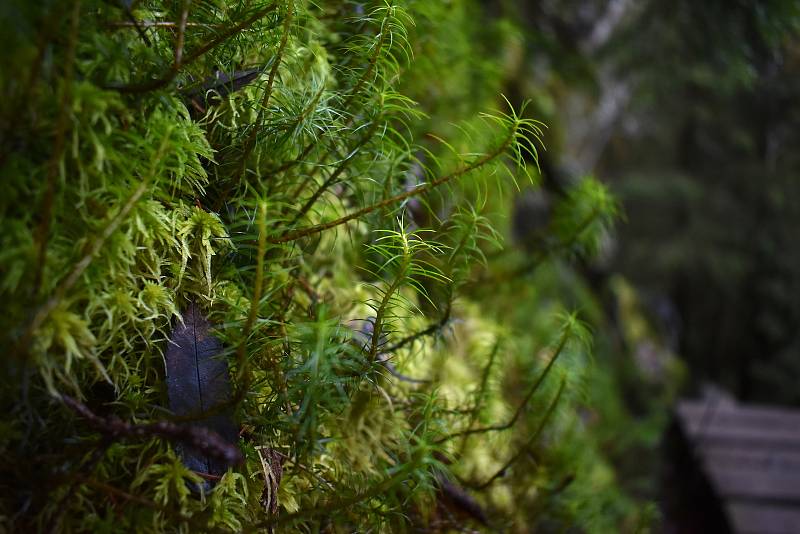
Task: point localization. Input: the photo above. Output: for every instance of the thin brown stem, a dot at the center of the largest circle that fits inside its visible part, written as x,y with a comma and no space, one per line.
255,302
432,329
334,175
156,24
311,230
545,419
521,408
372,62
276,63
203,439
46,211
341,504
179,41
163,81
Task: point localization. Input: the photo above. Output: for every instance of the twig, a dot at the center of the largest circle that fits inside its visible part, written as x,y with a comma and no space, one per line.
505,426
550,409
46,211
311,230
155,24
133,22
158,83
473,414
389,366
200,438
377,489
181,34
433,328
255,302
207,476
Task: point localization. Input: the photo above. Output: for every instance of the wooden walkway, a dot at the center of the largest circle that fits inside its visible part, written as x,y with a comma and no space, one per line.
750,456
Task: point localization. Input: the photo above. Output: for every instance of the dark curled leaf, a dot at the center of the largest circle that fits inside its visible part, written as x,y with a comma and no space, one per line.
219,86
198,381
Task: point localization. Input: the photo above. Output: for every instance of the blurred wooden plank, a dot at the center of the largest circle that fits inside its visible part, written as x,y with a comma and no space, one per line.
756,416
714,424
754,484
737,457
755,518
751,457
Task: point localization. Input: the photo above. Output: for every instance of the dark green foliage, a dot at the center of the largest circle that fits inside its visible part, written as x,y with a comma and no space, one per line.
711,182
312,194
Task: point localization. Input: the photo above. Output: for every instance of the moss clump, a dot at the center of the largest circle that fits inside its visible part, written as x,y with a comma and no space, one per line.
314,193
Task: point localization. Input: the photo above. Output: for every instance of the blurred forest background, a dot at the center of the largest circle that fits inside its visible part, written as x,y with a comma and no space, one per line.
689,110
643,247
695,123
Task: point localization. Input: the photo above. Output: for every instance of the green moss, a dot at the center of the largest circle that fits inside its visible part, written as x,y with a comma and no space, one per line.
284,209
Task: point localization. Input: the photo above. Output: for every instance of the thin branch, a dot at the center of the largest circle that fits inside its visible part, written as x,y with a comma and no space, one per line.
521,408
335,174
255,302
200,438
158,83
341,504
473,414
133,22
311,230
432,329
46,211
181,34
548,414
156,24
